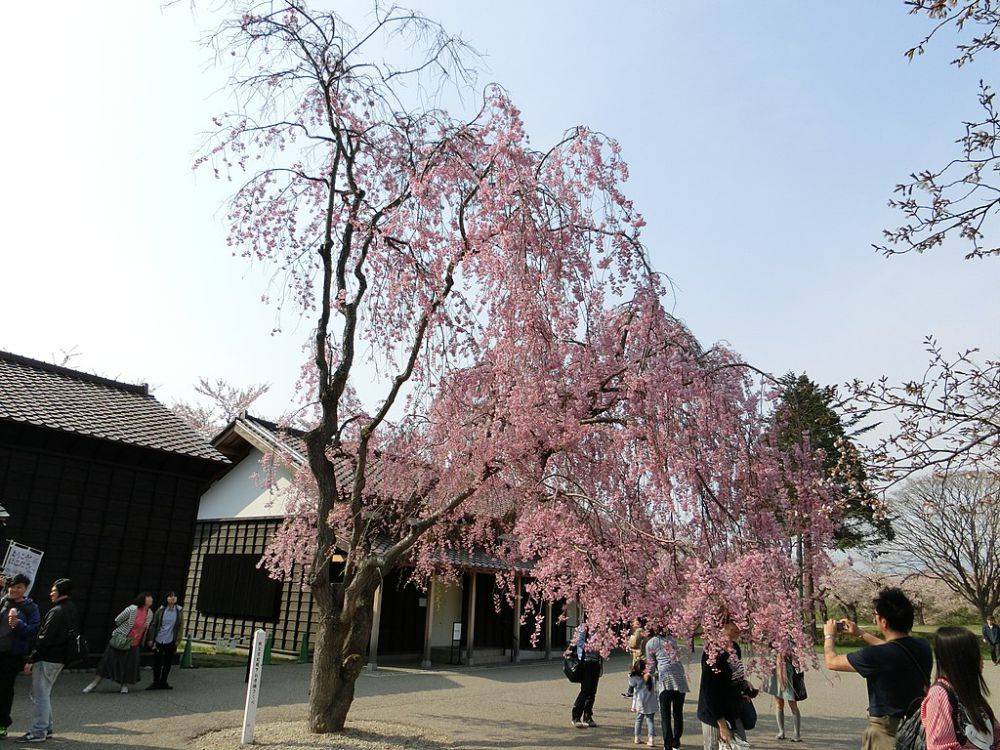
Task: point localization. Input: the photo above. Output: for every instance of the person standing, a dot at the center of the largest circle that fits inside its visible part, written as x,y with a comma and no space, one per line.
896,667
956,712
590,675
642,688
722,693
51,653
637,641
120,662
164,635
19,621
664,659
780,685
991,636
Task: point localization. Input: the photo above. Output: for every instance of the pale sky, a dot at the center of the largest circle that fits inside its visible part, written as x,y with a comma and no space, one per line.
763,139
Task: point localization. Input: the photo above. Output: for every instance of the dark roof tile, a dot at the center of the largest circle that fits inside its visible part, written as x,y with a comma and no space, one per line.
59,398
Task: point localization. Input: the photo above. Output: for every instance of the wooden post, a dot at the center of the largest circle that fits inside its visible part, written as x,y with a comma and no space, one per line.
376,619
428,625
471,634
548,630
515,652
253,686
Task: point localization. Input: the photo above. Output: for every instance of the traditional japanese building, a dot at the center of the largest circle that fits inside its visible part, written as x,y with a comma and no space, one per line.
104,480
229,596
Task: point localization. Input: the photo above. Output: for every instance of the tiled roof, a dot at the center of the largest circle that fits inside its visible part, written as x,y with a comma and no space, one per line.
59,398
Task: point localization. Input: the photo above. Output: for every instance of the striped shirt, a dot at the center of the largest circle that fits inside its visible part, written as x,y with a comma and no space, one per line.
939,727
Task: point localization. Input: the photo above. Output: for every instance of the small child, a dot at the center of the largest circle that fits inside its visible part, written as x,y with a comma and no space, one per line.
645,702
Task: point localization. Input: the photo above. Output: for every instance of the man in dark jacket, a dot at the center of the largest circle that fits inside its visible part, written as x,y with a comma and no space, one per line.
19,621
53,650
991,637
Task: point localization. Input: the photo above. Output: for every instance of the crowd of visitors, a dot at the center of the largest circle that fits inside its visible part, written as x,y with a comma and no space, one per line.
907,706
43,647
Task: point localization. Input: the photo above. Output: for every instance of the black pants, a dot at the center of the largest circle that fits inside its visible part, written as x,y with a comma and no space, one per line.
672,717
995,652
590,675
163,657
10,667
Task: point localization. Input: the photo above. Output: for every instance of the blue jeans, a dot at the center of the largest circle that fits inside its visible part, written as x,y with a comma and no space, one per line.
43,677
650,725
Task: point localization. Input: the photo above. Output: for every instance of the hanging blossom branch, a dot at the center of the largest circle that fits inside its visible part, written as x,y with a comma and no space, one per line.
946,421
962,197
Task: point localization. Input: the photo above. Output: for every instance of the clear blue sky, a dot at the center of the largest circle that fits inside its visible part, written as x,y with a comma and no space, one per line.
763,138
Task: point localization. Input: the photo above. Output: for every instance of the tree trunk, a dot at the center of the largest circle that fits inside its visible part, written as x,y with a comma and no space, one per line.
337,664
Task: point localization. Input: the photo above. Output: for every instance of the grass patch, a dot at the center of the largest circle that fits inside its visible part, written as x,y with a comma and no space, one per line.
209,656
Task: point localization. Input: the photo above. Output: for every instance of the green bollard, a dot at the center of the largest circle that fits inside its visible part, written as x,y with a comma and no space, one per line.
304,650
187,660
267,648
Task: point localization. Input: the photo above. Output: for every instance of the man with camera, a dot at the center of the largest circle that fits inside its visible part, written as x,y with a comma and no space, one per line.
897,666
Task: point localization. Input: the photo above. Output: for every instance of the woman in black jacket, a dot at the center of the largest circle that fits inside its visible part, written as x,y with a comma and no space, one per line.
724,694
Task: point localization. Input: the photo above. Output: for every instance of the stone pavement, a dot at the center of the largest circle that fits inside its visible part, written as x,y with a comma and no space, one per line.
502,708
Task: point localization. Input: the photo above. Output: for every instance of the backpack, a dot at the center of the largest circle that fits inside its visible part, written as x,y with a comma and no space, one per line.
910,735
77,648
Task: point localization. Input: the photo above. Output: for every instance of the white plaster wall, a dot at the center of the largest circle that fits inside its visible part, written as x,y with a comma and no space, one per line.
239,494
447,611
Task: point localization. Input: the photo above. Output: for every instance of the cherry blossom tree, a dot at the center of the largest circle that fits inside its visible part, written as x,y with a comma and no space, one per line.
960,199
533,397
219,403
948,530
948,419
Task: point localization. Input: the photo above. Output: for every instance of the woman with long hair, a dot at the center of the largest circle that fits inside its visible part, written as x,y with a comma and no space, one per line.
120,662
956,713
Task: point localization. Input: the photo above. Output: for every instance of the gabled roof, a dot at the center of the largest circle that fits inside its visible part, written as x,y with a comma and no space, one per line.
247,430
60,398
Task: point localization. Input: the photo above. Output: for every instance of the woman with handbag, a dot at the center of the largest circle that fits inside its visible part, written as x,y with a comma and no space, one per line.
120,662
588,673
725,705
780,684
956,713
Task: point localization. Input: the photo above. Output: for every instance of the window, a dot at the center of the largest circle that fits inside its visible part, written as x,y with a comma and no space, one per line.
233,586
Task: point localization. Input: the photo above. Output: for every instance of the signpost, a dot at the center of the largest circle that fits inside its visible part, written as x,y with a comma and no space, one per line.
253,686
456,643
22,559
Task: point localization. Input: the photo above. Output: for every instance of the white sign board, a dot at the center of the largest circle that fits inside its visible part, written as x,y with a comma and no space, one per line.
456,631
253,686
22,559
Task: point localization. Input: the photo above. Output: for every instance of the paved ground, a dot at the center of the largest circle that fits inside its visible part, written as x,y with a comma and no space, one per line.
502,708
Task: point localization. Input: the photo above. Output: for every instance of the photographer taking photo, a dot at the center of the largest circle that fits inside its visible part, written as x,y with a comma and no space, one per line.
897,667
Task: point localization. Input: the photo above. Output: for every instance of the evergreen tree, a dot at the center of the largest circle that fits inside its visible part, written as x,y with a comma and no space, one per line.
808,409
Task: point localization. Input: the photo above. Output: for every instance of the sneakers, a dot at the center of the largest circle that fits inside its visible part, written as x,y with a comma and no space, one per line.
124,689
650,742
578,724
589,721
29,737
155,686
636,740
